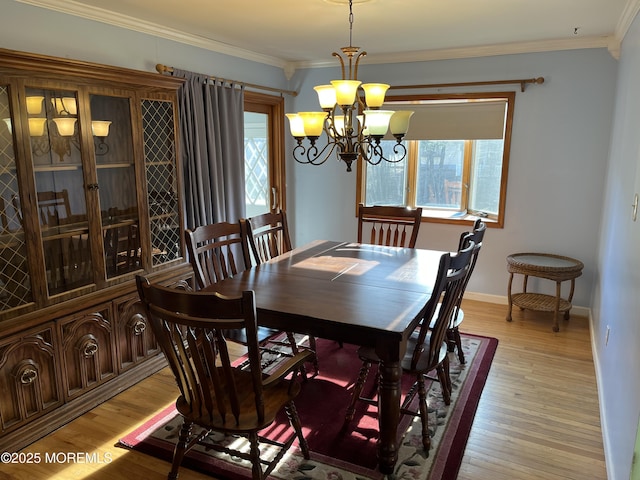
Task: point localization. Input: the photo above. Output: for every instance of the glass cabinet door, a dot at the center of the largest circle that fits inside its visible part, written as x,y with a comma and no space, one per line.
115,165
15,282
162,187
61,204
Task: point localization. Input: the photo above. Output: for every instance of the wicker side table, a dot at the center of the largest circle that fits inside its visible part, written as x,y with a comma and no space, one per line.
543,265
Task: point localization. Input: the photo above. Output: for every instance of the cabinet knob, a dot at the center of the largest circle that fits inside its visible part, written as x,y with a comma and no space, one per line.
139,327
28,376
90,349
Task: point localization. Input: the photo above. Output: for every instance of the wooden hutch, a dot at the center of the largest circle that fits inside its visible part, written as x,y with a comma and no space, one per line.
90,196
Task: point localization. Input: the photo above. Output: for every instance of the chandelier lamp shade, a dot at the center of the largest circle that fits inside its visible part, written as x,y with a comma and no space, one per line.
351,118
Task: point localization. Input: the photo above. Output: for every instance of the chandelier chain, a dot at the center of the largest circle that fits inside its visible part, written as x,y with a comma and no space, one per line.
350,23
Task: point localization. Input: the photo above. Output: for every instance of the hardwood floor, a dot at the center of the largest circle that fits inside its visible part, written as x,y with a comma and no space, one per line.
538,416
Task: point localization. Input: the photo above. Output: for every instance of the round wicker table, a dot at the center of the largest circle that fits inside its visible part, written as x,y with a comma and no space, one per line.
543,265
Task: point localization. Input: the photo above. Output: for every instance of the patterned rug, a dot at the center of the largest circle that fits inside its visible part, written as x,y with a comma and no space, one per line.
321,407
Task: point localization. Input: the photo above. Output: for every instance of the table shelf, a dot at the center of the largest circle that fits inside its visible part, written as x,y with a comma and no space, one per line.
540,302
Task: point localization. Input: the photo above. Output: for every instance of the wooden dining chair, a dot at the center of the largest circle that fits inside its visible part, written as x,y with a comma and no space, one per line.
216,394
221,250
427,348
457,316
268,237
389,225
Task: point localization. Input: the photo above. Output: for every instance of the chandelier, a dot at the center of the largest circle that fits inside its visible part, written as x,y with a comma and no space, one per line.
354,126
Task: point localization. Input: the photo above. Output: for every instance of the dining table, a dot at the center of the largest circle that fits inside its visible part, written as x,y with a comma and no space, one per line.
367,295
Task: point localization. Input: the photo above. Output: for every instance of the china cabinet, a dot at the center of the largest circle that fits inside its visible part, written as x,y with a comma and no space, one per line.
89,197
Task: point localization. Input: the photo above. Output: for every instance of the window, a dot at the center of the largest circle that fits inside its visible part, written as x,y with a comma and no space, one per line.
457,158
263,153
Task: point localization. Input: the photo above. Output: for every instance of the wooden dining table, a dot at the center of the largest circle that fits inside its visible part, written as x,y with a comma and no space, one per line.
362,294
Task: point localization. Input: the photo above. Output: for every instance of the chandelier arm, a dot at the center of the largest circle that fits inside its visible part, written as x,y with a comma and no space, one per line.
374,154
312,155
335,54
355,66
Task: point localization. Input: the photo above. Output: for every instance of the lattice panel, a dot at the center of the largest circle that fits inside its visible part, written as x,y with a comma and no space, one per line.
256,171
160,163
15,283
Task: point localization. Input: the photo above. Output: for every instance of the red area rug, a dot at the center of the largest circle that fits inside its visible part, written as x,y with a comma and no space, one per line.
321,406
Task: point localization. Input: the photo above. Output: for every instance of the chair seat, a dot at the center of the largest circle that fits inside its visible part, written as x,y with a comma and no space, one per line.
275,398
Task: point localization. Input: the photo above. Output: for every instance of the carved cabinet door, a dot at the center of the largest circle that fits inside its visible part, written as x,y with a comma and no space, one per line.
136,341
88,350
29,385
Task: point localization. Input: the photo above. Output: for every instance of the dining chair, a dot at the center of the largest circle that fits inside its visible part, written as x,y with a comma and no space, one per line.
268,237
215,393
389,225
220,250
457,316
427,348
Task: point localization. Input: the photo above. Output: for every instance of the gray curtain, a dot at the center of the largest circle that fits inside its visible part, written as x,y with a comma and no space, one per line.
212,140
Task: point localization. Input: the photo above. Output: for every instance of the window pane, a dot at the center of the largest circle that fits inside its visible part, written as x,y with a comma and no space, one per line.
386,182
485,174
440,164
256,158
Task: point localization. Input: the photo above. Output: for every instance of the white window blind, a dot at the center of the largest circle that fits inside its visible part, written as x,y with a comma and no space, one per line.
454,120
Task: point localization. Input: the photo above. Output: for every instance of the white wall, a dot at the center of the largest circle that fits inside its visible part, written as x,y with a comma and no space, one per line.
558,162
616,299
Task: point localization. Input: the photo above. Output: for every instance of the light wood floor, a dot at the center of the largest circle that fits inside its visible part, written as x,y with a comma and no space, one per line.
538,417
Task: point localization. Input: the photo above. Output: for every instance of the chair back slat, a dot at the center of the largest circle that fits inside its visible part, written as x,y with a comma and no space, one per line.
268,235
190,330
217,251
449,281
389,226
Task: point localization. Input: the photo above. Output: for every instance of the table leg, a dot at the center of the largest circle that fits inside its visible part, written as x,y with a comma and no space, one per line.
509,298
389,396
570,299
556,313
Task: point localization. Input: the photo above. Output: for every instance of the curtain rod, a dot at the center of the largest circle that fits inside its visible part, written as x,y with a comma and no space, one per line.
522,83
163,68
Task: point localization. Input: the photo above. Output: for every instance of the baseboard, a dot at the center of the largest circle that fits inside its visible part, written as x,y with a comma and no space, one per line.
502,300
608,454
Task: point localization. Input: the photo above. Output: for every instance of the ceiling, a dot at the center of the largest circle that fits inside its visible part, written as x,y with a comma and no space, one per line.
299,33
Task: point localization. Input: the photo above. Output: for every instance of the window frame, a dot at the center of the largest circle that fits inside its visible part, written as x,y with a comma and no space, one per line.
273,107
496,221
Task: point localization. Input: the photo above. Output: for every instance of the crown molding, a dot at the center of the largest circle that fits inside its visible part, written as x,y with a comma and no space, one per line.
612,43
123,21
630,11
608,42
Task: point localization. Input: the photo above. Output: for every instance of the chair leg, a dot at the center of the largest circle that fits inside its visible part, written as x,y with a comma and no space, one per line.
445,381
294,348
451,340
294,420
254,453
424,413
180,449
312,345
355,396
458,340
